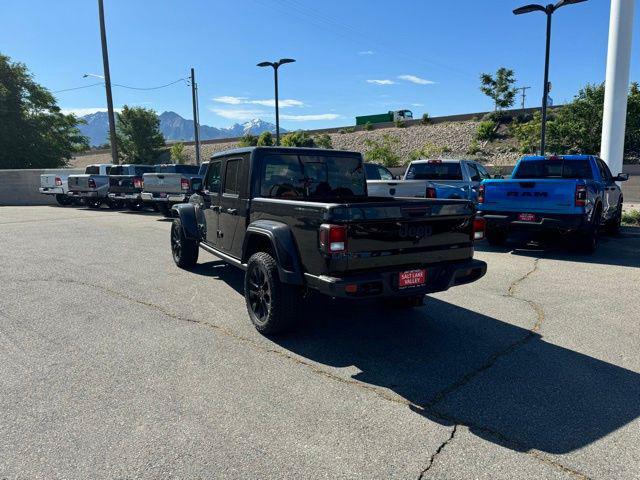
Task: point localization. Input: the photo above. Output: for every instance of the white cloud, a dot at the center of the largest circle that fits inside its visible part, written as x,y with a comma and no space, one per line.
81,112
310,118
230,100
239,114
414,79
366,52
381,82
417,104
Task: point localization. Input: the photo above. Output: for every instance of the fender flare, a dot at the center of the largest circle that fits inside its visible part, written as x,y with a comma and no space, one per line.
187,214
283,243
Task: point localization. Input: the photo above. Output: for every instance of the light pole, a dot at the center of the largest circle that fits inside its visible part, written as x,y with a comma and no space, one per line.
107,83
275,66
549,11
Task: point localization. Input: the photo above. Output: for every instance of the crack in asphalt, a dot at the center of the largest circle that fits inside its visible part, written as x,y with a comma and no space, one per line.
427,410
432,459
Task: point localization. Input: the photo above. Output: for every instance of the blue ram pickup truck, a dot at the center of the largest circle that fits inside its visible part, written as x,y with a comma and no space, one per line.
569,194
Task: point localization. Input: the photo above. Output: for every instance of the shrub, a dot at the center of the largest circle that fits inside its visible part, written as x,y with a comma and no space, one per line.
428,150
474,148
631,218
368,126
265,139
400,123
426,119
297,139
248,140
382,151
486,130
342,131
323,141
177,153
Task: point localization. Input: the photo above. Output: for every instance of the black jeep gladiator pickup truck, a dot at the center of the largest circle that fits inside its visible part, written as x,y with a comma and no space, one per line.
297,218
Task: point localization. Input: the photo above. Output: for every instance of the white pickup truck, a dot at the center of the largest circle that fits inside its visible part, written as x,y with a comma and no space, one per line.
448,179
56,184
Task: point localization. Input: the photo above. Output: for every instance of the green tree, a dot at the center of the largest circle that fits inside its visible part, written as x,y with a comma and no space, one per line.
486,130
265,139
177,153
248,140
323,141
297,139
138,135
500,88
382,151
34,133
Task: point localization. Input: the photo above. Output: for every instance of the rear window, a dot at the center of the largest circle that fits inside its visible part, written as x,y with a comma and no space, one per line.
434,171
312,176
189,169
92,170
139,171
570,169
118,170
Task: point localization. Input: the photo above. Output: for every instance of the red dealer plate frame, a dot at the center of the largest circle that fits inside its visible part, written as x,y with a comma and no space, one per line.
412,278
527,217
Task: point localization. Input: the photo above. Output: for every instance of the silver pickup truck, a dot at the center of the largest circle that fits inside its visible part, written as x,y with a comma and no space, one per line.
169,185
56,184
92,186
449,179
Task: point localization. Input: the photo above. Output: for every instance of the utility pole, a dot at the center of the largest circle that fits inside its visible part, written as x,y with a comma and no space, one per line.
107,84
524,94
196,120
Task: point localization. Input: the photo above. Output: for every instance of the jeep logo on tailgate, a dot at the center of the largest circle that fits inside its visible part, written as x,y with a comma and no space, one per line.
528,194
415,232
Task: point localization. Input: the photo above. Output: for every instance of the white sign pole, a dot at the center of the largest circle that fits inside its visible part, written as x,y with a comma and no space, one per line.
617,83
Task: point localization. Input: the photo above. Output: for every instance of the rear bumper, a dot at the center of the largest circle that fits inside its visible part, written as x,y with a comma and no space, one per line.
51,190
170,197
124,196
82,194
385,284
545,221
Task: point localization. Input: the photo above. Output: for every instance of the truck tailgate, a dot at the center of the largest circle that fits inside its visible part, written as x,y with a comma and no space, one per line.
79,182
48,180
546,195
407,233
397,188
163,182
122,184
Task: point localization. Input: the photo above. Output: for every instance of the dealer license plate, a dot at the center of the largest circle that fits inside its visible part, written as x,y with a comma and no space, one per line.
412,278
527,217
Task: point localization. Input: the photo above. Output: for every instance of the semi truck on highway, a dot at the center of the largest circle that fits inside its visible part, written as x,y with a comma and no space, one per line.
390,116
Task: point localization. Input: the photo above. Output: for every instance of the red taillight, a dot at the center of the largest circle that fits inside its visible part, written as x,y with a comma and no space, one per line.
184,184
91,183
58,182
479,228
430,193
481,194
434,161
581,195
138,183
333,238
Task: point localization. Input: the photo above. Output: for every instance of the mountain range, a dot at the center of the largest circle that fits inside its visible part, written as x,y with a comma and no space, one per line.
174,127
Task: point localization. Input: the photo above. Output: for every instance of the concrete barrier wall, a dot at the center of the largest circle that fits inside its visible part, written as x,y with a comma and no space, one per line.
20,187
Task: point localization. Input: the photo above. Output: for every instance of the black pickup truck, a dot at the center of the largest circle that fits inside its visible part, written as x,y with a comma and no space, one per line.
125,185
298,219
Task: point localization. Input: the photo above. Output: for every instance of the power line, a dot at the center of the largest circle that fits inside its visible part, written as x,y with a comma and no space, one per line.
152,88
78,88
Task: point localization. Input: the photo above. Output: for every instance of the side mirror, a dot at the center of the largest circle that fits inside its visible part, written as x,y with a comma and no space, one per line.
196,185
622,177
498,176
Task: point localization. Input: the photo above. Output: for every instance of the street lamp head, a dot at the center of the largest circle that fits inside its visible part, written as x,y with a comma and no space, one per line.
562,3
529,9
266,64
285,60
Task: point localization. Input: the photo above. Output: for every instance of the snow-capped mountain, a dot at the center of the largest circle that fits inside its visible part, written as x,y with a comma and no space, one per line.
174,127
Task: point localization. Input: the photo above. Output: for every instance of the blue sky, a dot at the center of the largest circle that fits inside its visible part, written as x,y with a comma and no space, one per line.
354,57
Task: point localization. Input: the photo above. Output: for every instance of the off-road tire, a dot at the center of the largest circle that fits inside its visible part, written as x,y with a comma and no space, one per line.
274,310
63,200
183,250
587,240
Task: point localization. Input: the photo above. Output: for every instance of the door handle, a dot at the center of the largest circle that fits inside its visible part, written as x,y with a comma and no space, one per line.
232,211
215,208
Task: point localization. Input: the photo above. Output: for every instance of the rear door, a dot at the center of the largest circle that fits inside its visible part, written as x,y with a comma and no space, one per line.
233,205
211,197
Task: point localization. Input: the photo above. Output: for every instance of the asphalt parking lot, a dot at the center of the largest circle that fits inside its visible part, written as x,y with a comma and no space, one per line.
116,364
